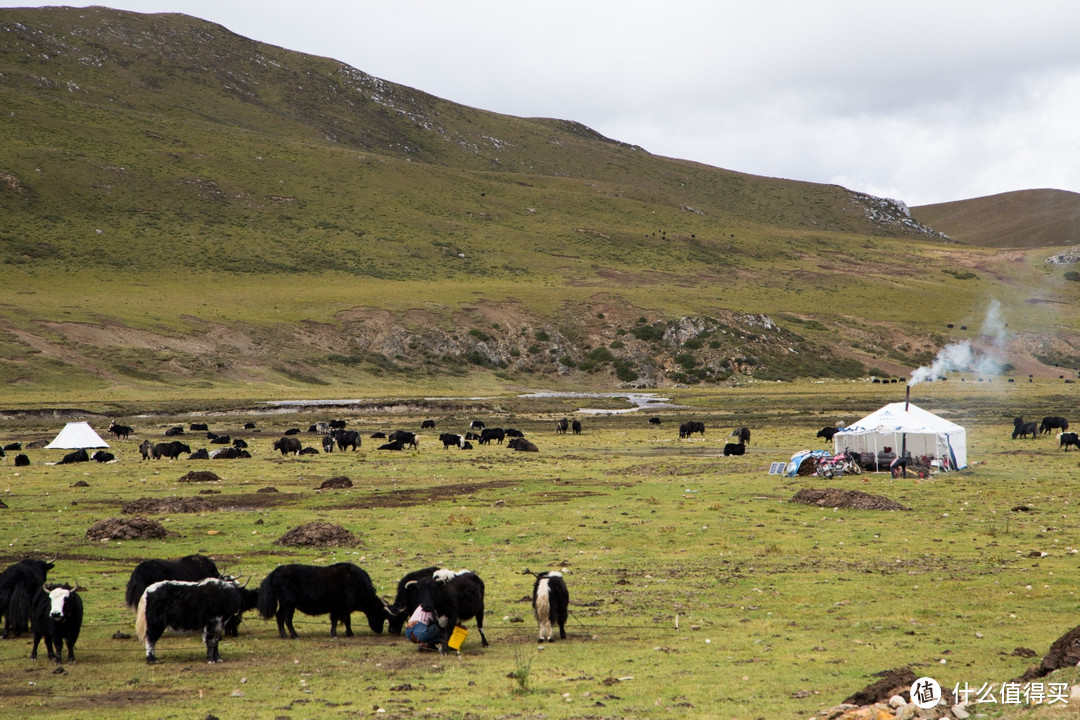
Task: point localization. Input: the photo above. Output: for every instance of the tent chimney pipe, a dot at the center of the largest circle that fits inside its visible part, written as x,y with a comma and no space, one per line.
907,398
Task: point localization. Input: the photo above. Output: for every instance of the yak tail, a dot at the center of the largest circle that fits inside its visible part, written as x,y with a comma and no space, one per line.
132,594
267,599
543,601
20,609
140,619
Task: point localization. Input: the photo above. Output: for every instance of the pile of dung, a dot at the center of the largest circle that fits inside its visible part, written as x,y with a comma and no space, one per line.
200,476
336,483
133,528
850,499
318,534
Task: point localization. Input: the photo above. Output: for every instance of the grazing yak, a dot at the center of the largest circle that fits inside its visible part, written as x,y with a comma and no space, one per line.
21,460
347,439
1052,422
551,603
655,421
1021,428
455,596
406,599
146,449
575,427
328,443
477,425
58,615
522,445
690,427
183,606
826,433
171,450
250,426
392,445
288,445
742,434
338,589
405,438
221,440
512,433
12,446
199,427
19,584
1066,439
562,425
448,439
489,434
120,431
734,449
427,424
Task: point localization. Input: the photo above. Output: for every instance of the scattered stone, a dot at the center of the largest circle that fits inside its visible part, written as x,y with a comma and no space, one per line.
321,534
199,476
960,712
133,528
161,506
850,499
336,483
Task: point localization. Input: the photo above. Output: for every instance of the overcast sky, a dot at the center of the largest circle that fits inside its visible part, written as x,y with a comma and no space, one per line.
922,101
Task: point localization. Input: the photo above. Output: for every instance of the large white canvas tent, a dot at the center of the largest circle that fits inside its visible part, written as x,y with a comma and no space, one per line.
77,436
900,425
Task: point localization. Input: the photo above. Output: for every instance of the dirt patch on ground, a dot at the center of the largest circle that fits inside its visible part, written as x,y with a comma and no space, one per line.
892,682
336,483
850,499
200,476
318,534
421,496
1064,653
171,504
134,528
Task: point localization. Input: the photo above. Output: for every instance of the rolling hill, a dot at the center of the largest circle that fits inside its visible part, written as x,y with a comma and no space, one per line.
185,209
1022,219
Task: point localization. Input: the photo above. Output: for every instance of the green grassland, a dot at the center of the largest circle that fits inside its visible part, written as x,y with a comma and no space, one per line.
697,588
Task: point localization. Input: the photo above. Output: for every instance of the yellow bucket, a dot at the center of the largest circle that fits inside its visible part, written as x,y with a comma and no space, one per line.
457,637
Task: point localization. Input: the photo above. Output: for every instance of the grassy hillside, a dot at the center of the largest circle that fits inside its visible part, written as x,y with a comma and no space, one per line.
1022,219
183,208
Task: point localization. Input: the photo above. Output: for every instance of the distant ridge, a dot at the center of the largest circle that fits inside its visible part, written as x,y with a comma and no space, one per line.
1021,219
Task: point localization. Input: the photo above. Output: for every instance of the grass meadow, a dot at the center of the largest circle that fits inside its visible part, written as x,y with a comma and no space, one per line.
697,589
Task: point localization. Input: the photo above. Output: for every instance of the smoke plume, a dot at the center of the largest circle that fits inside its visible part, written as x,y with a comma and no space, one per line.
961,357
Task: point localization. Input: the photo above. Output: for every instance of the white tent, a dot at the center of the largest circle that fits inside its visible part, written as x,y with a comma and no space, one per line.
77,436
900,425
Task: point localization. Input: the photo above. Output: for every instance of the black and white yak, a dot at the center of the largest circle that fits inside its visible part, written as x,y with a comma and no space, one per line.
405,601
58,615
19,584
453,597
1066,439
183,606
551,603
191,568
338,590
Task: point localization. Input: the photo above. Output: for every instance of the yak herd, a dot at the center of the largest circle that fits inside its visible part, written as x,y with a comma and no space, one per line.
189,594
1022,429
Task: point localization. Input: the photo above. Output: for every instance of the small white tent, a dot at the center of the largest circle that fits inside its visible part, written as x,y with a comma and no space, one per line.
77,436
899,425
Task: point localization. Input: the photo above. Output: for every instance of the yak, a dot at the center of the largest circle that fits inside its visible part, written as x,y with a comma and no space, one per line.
337,590
58,615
